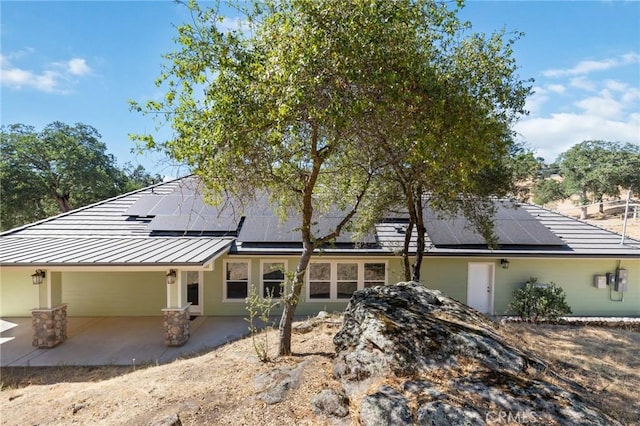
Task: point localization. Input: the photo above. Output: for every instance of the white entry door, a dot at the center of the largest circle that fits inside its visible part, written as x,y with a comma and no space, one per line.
194,291
480,287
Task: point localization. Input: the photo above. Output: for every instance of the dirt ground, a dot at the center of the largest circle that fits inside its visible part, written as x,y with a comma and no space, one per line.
218,387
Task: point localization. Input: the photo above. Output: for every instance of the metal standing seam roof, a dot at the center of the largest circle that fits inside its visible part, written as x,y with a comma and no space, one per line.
152,251
580,240
120,232
102,234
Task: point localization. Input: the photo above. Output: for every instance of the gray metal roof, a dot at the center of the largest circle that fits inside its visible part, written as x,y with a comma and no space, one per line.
102,234
121,232
118,251
579,239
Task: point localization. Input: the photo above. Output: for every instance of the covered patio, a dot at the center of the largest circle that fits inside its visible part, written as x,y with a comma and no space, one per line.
94,341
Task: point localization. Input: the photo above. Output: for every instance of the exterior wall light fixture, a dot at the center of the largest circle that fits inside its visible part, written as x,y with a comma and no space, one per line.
504,263
38,277
171,276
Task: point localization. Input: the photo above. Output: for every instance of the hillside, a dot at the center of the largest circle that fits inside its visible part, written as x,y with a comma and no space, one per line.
218,387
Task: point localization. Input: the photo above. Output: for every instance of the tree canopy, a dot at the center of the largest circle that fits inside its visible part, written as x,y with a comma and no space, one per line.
319,102
596,168
57,169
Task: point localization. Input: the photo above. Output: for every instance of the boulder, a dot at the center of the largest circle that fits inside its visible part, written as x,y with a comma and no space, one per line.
423,358
330,403
272,386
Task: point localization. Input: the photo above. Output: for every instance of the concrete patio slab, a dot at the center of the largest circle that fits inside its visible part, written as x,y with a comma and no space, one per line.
93,341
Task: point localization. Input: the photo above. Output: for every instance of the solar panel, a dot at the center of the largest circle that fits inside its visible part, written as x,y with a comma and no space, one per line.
143,205
512,227
193,223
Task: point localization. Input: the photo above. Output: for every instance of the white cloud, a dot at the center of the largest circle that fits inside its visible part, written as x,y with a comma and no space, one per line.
553,135
556,88
78,66
583,83
536,100
589,66
602,106
54,77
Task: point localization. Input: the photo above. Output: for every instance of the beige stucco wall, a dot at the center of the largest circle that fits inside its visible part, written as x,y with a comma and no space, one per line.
17,294
575,276
144,293
87,293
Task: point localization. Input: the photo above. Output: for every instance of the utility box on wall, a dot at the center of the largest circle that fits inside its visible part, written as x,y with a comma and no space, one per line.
600,281
622,278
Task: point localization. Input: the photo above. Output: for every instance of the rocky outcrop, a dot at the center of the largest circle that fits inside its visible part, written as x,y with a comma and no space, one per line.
410,355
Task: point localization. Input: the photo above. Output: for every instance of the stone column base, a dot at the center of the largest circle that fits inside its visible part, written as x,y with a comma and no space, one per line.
49,326
176,326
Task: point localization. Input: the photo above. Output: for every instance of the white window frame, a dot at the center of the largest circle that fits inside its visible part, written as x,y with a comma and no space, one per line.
262,262
333,281
224,279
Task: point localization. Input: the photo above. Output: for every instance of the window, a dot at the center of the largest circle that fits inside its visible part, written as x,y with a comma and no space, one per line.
347,279
374,274
272,278
236,280
320,281
336,280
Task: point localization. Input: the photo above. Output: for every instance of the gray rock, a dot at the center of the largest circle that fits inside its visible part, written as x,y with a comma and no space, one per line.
440,413
170,420
272,386
412,333
330,402
385,407
407,328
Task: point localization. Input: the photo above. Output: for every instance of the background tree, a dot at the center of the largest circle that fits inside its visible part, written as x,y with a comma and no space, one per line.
309,102
55,170
598,168
548,190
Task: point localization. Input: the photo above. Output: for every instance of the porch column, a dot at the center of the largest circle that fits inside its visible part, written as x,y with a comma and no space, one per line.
49,318
177,320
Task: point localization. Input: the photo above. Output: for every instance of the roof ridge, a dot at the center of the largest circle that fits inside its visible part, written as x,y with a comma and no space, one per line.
88,206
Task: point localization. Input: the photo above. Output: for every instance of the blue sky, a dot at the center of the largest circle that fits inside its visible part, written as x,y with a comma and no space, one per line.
81,61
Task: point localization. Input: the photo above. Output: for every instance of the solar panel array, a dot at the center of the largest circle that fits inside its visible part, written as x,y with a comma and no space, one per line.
184,211
513,227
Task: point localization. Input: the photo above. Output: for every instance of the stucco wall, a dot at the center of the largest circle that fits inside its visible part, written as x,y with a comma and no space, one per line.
17,293
575,276
144,293
114,293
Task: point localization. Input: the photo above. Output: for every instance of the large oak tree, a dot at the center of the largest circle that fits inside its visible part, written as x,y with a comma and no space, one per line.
311,100
57,169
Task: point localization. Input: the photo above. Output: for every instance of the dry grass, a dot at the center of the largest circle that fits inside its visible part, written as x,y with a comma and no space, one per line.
217,387
603,361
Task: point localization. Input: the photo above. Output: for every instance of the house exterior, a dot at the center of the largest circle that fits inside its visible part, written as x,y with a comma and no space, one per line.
161,251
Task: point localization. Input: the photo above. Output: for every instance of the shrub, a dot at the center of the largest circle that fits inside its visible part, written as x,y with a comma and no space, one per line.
259,308
539,302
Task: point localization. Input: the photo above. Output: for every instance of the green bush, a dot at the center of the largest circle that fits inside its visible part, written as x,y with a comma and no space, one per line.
535,302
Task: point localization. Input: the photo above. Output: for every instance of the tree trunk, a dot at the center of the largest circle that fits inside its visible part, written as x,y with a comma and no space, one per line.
63,203
583,212
421,230
406,263
291,301
601,207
